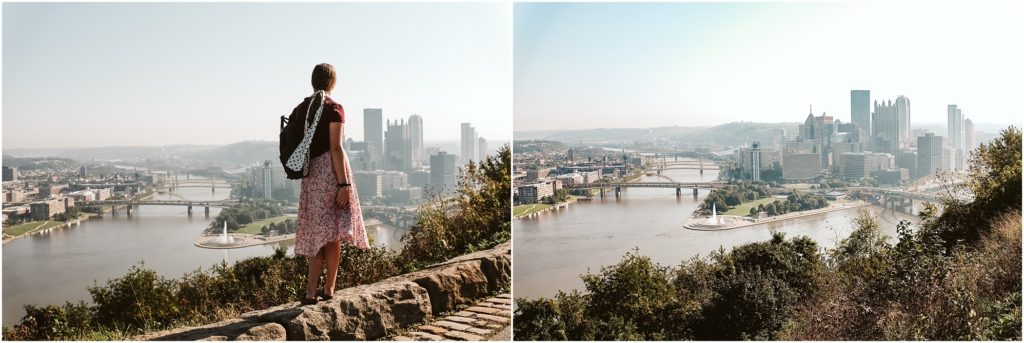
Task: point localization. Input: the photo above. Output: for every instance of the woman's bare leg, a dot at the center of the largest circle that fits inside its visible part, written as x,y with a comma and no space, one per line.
316,264
333,256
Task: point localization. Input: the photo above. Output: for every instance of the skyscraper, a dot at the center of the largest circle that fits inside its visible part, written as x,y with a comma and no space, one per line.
955,126
373,134
469,143
397,147
860,112
885,131
755,162
903,113
929,154
416,139
481,145
442,172
969,140
268,180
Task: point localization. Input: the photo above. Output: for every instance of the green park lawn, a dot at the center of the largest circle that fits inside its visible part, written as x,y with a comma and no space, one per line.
21,229
744,208
523,210
255,227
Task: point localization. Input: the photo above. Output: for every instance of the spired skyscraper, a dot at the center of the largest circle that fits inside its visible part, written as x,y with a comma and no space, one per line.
373,134
416,138
860,112
470,143
397,147
890,125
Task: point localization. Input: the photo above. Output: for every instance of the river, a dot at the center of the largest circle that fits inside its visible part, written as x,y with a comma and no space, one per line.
58,266
551,250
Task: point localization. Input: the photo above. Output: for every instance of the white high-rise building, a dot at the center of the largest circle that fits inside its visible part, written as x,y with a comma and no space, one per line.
955,126
416,137
373,135
860,112
481,146
268,180
903,112
755,162
470,143
969,140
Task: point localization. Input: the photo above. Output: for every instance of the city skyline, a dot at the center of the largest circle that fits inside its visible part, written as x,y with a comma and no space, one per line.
228,76
698,64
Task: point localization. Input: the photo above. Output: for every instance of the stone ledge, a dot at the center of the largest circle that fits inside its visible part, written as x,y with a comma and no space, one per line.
367,312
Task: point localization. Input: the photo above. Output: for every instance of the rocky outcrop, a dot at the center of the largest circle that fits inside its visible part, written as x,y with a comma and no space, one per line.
371,311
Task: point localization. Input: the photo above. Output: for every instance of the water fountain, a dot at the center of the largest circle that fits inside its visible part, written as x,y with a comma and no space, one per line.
224,238
713,222
714,216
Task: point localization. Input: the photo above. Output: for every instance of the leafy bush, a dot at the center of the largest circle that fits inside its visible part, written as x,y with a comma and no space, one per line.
476,218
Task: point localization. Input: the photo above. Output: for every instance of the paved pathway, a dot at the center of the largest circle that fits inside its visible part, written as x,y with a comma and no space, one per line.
489,318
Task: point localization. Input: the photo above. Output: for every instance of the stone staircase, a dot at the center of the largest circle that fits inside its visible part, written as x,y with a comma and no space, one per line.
479,322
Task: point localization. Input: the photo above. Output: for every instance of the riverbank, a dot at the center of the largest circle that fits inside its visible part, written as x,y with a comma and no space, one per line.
41,227
534,210
695,222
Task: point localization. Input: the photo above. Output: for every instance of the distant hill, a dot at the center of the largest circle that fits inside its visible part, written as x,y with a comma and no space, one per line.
195,156
736,133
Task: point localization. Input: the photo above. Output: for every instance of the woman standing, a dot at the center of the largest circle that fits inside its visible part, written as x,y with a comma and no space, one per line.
328,204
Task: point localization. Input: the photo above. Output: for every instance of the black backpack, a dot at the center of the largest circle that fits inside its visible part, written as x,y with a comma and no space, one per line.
290,136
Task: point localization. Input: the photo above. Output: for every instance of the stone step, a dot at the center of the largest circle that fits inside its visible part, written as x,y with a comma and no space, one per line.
488,310
432,329
497,300
462,336
452,326
423,336
401,338
460,320
496,319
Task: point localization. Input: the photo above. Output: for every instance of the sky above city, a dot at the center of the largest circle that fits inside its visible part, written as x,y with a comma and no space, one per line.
80,75
603,65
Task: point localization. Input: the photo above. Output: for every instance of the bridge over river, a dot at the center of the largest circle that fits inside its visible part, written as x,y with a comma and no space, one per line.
130,204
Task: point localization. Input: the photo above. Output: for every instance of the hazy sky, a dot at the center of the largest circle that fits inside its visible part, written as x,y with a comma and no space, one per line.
646,65
156,74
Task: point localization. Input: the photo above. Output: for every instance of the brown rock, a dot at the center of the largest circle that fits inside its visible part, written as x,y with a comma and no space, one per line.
362,313
450,285
401,338
229,330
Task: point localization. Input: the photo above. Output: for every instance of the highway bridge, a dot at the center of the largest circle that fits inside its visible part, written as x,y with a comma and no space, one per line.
130,204
619,185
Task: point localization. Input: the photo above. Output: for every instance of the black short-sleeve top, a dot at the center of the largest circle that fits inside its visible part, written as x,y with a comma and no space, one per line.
332,113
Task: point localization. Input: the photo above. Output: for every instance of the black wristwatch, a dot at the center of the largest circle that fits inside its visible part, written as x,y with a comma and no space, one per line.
343,185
